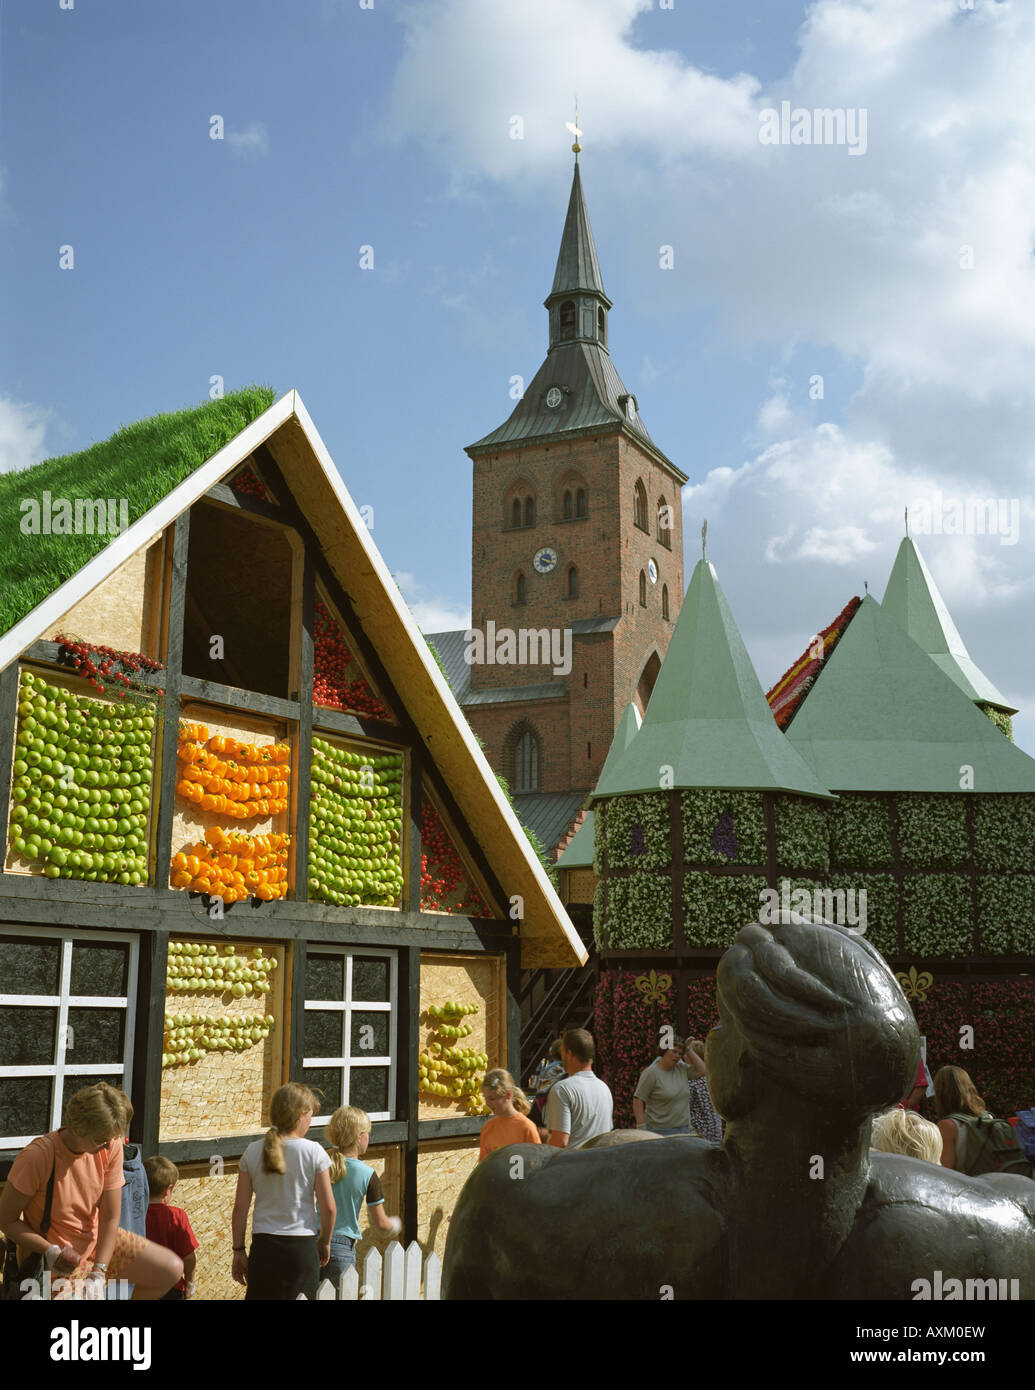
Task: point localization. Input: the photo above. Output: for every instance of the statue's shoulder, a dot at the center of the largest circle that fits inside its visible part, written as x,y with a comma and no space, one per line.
912,1208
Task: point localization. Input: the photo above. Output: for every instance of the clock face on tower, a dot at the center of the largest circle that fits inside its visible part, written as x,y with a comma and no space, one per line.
545,559
652,570
554,397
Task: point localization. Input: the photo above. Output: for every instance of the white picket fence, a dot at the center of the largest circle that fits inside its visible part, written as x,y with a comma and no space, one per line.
396,1275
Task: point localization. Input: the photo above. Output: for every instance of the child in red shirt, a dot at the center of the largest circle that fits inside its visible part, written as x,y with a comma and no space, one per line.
168,1225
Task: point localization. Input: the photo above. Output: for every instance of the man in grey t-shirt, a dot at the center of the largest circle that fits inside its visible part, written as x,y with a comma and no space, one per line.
581,1107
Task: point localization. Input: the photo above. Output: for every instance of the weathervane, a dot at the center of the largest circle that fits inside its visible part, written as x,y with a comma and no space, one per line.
907,523
575,131
704,537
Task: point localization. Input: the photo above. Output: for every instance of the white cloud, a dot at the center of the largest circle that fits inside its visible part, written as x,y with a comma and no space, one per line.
431,612
251,142
22,427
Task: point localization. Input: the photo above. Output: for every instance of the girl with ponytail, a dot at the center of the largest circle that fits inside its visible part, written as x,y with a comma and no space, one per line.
289,1177
510,1106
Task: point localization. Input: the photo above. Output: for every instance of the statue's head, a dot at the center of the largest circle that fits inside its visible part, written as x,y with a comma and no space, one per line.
812,1010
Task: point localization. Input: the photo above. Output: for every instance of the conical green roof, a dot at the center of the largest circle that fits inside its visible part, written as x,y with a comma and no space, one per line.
883,717
913,600
579,853
707,718
577,264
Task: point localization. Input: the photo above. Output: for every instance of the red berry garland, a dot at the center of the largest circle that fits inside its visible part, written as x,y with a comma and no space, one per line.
441,870
246,482
331,659
97,663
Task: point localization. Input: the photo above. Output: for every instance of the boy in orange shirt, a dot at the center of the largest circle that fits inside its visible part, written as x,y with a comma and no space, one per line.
509,1105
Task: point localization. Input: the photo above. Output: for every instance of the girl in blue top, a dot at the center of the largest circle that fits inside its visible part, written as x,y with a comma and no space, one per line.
352,1181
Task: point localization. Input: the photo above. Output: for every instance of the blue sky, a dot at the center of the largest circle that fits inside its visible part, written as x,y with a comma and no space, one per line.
390,127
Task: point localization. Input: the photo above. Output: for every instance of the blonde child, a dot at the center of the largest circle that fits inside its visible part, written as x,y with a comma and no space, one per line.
287,1173
168,1225
348,1134
509,1105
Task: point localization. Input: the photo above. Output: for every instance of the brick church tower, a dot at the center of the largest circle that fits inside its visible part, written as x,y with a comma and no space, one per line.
577,558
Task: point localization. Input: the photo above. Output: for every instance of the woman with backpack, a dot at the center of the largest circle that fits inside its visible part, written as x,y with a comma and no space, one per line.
973,1140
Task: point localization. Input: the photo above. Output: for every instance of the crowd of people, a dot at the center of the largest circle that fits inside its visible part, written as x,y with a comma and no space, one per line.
81,1204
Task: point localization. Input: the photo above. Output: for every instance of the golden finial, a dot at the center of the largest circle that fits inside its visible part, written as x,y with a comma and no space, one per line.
575,131
704,537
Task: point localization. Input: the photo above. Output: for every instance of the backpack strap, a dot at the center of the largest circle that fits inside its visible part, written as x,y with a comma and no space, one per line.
48,1200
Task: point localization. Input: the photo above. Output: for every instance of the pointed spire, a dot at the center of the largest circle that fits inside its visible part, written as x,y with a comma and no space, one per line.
882,717
707,718
577,266
913,600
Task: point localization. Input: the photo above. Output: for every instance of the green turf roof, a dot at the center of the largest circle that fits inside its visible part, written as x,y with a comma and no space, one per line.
883,717
707,718
913,600
579,854
142,463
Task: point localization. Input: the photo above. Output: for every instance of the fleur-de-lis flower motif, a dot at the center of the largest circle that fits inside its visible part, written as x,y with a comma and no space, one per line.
653,986
914,985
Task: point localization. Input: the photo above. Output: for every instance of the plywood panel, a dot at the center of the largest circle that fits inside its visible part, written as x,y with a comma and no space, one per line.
226,1093
190,822
468,980
120,612
442,1170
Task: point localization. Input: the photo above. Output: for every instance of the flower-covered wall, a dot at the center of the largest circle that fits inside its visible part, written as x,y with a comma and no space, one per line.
949,883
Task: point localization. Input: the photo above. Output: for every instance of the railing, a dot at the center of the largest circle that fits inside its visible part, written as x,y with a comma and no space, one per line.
396,1275
570,997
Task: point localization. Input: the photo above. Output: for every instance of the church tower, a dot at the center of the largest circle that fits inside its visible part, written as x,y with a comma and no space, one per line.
577,547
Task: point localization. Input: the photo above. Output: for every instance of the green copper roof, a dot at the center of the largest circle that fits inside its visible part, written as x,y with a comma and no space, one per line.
883,717
707,717
579,854
577,264
913,600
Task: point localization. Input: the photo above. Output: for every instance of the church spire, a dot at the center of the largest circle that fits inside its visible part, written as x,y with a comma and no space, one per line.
577,303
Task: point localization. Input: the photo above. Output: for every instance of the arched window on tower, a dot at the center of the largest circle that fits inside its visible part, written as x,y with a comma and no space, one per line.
526,763
602,325
519,588
573,582
664,523
643,589
664,601
515,512
640,506
567,320
529,511
580,502
569,505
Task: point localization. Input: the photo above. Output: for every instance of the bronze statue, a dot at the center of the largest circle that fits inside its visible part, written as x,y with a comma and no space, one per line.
814,1038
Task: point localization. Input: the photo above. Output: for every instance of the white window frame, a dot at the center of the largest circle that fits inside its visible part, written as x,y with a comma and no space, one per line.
347,1006
63,1001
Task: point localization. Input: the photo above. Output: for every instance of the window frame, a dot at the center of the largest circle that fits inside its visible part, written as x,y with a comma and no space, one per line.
59,1069
347,1006
640,506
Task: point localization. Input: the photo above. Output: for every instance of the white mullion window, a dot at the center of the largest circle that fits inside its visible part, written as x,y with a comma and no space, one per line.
50,1046
350,1028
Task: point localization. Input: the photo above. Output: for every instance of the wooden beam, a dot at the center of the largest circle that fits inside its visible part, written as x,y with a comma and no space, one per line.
236,698
408,1087
297,1022
303,760
334,721
450,1129
244,502
8,727
512,981
170,725
150,1033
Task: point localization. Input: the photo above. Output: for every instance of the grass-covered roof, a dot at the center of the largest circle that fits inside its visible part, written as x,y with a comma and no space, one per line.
142,463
